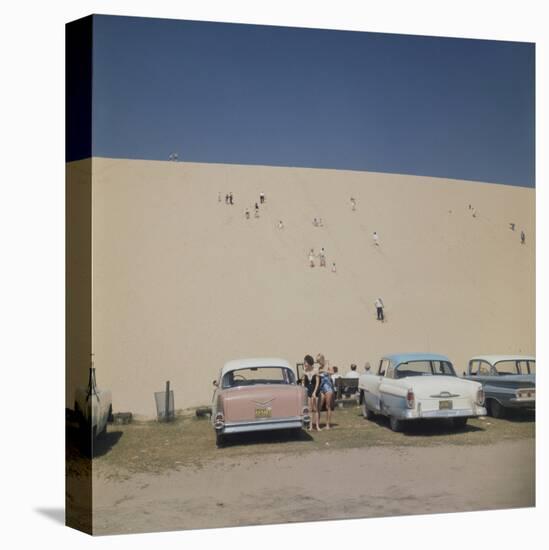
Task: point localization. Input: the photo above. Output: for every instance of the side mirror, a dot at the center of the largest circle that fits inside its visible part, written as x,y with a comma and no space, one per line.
215,383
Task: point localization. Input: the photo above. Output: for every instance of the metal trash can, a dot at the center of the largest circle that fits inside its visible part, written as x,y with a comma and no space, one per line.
161,402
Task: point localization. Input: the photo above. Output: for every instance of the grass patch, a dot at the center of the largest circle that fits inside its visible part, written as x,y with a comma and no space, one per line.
189,441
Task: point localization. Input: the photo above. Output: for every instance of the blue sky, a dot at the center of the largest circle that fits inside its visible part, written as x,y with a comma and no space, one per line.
217,92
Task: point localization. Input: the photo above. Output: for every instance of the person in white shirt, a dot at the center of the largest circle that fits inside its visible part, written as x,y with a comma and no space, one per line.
379,307
312,258
352,373
375,236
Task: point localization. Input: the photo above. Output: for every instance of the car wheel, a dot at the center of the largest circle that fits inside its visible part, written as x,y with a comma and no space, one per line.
460,422
496,409
219,440
395,423
366,412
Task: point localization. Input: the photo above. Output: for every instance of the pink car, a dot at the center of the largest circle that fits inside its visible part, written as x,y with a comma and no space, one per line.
255,395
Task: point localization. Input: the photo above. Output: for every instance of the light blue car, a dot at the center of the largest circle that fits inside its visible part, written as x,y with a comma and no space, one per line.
509,381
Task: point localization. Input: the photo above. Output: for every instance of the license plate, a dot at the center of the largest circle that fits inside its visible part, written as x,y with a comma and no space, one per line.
263,412
446,404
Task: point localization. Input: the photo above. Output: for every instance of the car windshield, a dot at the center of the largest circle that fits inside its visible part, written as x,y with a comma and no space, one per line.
424,368
508,367
258,375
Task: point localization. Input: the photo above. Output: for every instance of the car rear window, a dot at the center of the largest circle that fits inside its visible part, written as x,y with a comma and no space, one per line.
507,367
424,368
527,367
258,375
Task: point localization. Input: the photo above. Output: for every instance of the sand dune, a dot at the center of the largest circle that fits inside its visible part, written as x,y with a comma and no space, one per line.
182,283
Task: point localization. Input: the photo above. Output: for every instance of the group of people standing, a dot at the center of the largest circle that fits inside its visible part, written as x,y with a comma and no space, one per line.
320,389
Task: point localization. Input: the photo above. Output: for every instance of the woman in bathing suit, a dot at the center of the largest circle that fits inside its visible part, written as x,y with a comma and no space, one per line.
311,381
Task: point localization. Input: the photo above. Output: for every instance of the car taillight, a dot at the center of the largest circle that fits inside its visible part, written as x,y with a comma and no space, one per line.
410,399
480,397
219,420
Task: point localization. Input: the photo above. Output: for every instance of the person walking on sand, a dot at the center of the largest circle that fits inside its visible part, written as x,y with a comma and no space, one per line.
511,226
227,198
311,258
247,214
311,382
280,225
219,196
379,308
353,204
262,198
375,236
522,237
231,198
322,257
334,270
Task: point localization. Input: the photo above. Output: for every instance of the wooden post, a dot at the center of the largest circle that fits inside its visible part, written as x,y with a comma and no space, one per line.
167,403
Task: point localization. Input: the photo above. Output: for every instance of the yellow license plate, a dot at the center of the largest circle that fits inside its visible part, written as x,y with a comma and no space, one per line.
264,412
447,404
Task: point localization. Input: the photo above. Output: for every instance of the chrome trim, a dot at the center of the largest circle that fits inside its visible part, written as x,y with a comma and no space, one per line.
264,403
440,413
258,425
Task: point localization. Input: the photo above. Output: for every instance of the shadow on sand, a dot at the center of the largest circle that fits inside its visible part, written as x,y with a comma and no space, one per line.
79,445
431,427
267,437
520,415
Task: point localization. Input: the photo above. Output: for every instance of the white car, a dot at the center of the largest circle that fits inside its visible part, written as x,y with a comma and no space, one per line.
93,408
419,386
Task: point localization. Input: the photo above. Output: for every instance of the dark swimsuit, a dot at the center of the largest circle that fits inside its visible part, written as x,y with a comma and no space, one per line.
310,384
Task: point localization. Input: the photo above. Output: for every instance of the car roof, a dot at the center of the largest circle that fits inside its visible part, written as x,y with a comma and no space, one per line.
247,363
397,358
493,359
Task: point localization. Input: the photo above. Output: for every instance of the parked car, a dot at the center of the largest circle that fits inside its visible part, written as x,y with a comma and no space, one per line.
509,381
255,395
411,386
93,408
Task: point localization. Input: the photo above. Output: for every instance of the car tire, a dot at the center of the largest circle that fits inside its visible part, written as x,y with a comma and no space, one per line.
219,440
395,424
366,412
460,422
497,410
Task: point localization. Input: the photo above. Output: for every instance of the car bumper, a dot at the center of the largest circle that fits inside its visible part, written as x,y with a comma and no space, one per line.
413,414
264,425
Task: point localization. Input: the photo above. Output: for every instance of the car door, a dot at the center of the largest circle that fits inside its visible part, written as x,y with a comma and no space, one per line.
373,396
